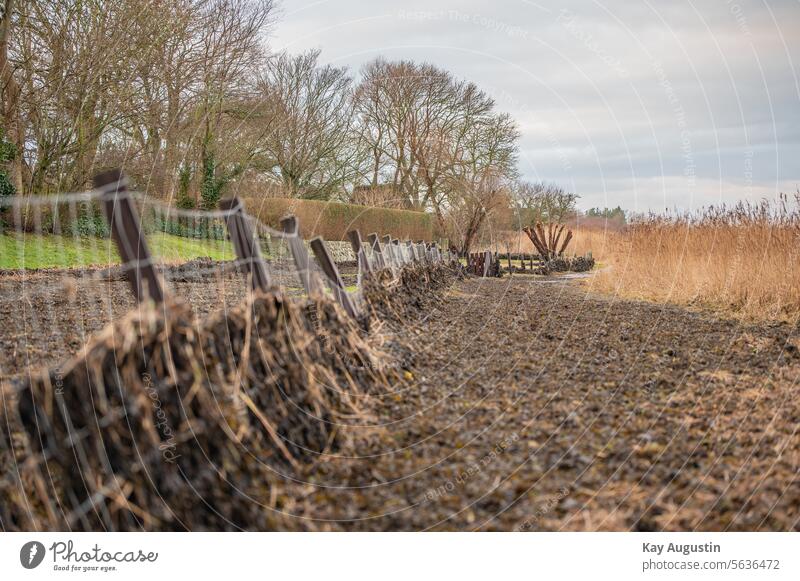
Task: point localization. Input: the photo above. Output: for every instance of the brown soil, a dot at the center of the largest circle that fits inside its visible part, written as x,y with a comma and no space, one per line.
541,406
526,405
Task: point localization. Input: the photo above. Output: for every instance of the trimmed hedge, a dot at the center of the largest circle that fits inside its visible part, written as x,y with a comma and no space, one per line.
332,220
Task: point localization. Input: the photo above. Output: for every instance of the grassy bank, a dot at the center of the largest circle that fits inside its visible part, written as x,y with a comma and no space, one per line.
28,251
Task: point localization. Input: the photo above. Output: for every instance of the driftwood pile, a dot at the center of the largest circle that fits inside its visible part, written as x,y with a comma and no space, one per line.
133,435
484,264
402,299
166,422
561,264
547,239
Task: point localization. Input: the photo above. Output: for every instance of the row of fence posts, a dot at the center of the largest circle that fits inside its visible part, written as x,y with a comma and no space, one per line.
483,264
126,231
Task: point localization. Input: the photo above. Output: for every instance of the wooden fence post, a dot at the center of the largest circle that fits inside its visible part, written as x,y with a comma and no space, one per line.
487,262
412,251
245,244
377,253
127,233
421,251
390,255
332,273
398,251
291,227
358,249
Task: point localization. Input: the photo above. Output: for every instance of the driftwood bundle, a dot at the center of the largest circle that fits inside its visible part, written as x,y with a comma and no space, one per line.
17,510
397,301
292,371
547,240
164,422
343,348
132,435
577,264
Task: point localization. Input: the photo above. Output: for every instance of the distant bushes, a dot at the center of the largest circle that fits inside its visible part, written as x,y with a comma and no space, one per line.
85,220
332,220
94,225
212,229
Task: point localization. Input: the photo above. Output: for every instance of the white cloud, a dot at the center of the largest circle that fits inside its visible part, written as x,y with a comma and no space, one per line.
615,99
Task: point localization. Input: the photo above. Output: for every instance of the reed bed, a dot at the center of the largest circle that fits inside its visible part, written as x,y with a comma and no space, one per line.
742,260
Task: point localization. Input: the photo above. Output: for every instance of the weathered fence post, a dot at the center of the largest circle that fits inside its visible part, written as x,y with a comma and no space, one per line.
127,234
292,229
377,253
245,244
487,262
332,274
391,259
421,250
360,252
411,251
398,251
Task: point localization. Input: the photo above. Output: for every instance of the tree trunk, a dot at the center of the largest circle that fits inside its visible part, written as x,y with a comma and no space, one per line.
10,94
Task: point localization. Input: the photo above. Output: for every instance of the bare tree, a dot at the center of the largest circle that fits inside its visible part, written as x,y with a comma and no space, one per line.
10,93
303,120
478,185
183,93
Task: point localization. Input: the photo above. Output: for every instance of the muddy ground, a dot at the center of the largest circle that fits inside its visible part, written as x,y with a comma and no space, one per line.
542,406
528,404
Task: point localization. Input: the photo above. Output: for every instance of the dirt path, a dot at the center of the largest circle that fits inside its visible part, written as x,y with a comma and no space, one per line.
546,407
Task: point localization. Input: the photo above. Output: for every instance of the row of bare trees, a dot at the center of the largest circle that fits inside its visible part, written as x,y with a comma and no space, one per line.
186,96
150,84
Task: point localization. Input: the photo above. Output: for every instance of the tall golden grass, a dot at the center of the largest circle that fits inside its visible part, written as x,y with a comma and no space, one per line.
743,259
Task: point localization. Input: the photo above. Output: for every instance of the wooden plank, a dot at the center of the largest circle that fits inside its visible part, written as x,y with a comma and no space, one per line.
388,247
421,251
377,251
245,244
359,251
398,252
291,227
332,275
412,251
127,233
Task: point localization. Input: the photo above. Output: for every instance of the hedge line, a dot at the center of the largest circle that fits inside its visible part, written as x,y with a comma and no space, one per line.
332,220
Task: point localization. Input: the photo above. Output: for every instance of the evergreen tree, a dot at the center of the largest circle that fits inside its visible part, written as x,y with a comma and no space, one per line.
8,152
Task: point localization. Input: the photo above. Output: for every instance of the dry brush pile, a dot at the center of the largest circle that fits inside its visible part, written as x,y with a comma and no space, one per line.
167,422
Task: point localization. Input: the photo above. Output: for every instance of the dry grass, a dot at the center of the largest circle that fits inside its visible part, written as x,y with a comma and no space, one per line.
742,260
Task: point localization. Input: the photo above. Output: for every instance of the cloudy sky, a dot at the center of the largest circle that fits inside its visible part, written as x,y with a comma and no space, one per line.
643,103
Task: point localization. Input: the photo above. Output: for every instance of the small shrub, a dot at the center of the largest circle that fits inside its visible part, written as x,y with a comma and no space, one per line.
185,228
183,200
95,226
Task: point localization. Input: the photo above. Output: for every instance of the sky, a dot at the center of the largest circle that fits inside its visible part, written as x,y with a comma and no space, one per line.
646,104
